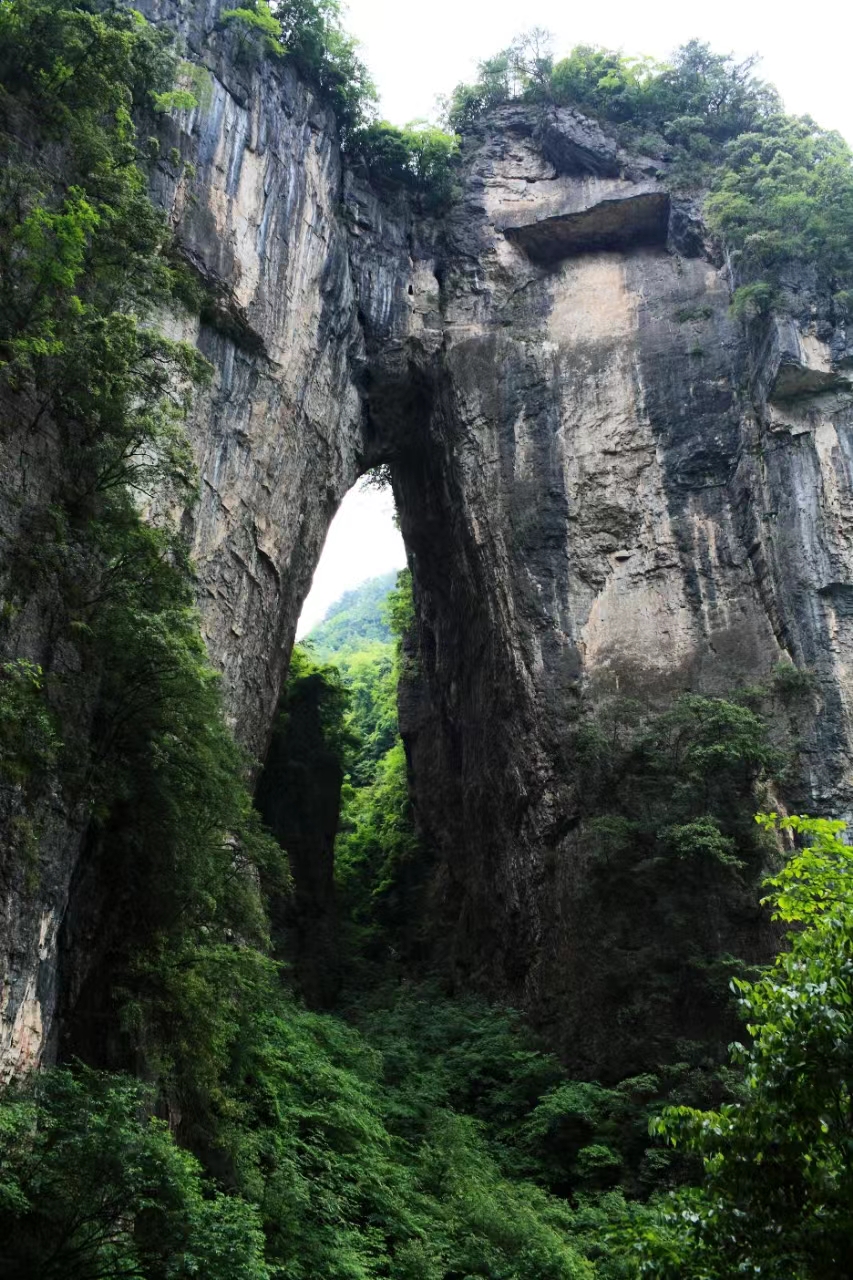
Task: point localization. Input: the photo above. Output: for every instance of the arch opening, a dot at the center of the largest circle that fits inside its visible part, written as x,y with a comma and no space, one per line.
363,542
333,730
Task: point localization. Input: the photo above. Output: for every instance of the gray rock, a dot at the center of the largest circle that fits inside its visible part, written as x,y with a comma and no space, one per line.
604,482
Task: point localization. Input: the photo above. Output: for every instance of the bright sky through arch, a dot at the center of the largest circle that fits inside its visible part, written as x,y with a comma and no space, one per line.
362,543
416,50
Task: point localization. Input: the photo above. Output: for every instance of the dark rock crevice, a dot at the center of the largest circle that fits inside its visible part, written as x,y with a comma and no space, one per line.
619,224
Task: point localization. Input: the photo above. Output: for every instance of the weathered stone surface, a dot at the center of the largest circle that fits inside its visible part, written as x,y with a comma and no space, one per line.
604,484
277,438
796,362
618,222
605,489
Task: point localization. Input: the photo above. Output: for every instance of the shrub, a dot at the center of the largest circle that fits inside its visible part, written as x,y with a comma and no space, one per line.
258,30
90,1188
419,158
779,188
778,1166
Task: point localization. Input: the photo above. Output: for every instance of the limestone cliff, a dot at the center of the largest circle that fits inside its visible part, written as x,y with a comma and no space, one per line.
604,481
277,438
611,486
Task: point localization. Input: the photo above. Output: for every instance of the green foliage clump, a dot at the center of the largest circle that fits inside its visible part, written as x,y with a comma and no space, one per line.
356,1178
78,62
778,1187
377,860
28,737
780,189
316,700
522,70
357,637
434,1139
300,786
785,198
90,1188
313,35
689,107
259,31
387,1150
29,749
793,683
370,676
310,33
401,607
666,804
77,71
675,778
419,158
179,843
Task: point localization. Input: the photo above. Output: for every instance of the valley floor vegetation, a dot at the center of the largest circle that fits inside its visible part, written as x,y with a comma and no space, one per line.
222,1128
407,1134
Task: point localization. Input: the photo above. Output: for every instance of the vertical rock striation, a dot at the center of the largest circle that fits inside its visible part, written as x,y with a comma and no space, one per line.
608,487
250,181
605,484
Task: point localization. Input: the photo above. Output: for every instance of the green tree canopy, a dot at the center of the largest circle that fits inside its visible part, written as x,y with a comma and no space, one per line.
777,1198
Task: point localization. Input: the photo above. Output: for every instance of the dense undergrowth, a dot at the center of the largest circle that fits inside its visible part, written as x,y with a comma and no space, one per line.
404,1135
438,1141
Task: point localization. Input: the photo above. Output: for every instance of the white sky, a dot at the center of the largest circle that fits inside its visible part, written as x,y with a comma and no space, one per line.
417,50
362,543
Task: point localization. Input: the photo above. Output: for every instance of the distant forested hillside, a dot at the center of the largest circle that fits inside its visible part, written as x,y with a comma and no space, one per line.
355,620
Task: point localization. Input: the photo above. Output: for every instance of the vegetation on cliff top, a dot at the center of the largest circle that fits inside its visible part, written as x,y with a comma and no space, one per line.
779,188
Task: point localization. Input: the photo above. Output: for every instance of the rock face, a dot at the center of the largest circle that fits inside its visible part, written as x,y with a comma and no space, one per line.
604,483
605,486
277,438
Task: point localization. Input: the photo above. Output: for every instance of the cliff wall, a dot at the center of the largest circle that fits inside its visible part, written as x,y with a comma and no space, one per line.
614,489
251,183
606,486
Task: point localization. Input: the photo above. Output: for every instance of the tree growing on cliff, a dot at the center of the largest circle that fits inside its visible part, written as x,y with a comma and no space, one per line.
258,30
777,1199
314,36
419,158
779,188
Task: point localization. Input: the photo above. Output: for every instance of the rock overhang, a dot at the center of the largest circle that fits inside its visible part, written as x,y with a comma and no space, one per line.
618,222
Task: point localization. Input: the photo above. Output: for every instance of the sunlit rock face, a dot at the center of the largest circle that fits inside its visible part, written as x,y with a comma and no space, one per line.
251,181
606,485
